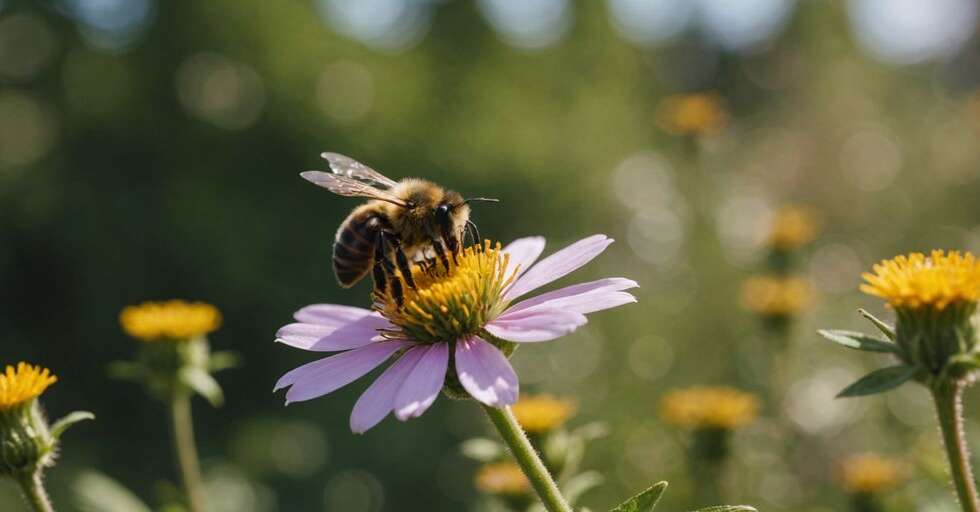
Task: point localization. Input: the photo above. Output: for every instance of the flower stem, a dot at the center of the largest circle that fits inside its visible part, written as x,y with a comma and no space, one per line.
512,433
183,431
34,492
949,407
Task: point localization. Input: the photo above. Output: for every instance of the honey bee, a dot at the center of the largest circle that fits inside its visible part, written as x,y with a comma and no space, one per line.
404,221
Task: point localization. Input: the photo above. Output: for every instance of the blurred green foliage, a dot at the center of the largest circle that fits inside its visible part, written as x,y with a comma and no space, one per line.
168,168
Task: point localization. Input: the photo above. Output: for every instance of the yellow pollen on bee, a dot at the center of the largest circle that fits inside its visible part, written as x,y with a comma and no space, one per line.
451,303
23,383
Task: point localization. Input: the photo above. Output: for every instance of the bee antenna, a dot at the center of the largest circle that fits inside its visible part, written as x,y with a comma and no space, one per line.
485,199
470,228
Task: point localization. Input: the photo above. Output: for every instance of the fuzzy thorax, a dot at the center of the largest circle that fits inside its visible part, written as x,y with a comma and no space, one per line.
450,304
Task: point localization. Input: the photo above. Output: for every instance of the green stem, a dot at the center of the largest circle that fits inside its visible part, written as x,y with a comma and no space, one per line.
34,492
512,433
190,469
949,407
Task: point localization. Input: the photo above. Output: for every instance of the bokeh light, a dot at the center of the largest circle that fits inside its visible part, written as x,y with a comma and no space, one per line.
910,31
218,90
528,23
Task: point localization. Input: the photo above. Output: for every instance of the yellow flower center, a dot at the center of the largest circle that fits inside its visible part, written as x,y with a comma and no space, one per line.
692,114
173,320
776,296
502,478
709,407
542,413
792,227
22,384
869,472
449,304
918,281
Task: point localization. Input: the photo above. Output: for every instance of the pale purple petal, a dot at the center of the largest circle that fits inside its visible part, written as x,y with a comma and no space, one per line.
485,372
329,374
524,252
379,398
536,324
422,387
559,264
555,298
329,338
332,314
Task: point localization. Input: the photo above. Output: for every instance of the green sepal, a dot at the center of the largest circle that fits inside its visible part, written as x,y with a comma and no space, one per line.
202,383
880,380
885,329
962,364
645,501
728,508
482,449
859,341
224,360
59,427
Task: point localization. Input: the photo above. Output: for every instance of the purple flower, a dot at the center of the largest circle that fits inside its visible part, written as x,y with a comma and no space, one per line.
464,314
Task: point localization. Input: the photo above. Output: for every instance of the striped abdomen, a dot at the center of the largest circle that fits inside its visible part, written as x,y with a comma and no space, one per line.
354,245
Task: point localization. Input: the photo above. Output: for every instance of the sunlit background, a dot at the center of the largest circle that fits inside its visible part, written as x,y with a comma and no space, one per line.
150,150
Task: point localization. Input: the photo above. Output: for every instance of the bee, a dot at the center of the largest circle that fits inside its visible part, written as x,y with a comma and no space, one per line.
404,221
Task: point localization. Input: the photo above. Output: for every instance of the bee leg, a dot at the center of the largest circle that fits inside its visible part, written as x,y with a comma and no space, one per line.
381,255
441,253
402,261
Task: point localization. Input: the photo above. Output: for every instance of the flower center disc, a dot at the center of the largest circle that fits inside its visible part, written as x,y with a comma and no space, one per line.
449,303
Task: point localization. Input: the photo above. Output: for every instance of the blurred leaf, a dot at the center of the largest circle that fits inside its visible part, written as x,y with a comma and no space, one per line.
482,449
885,329
859,341
202,383
591,431
95,492
126,370
643,502
65,423
224,360
880,380
580,484
728,508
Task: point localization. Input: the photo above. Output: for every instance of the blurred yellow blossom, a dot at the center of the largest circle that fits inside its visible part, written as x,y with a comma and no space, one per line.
692,114
870,472
23,384
541,413
704,407
792,227
917,281
170,320
775,295
505,478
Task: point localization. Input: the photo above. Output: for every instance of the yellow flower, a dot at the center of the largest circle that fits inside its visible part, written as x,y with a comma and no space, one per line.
449,304
22,384
541,413
692,114
792,227
173,320
870,472
705,407
917,281
502,478
775,295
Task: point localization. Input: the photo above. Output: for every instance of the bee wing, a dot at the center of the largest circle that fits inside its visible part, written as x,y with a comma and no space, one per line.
346,186
347,166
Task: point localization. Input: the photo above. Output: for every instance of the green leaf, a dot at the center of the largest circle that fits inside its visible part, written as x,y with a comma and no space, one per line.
95,492
482,449
580,484
65,423
880,380
643,502
203,384
885,329
224,360
728,508
859,341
